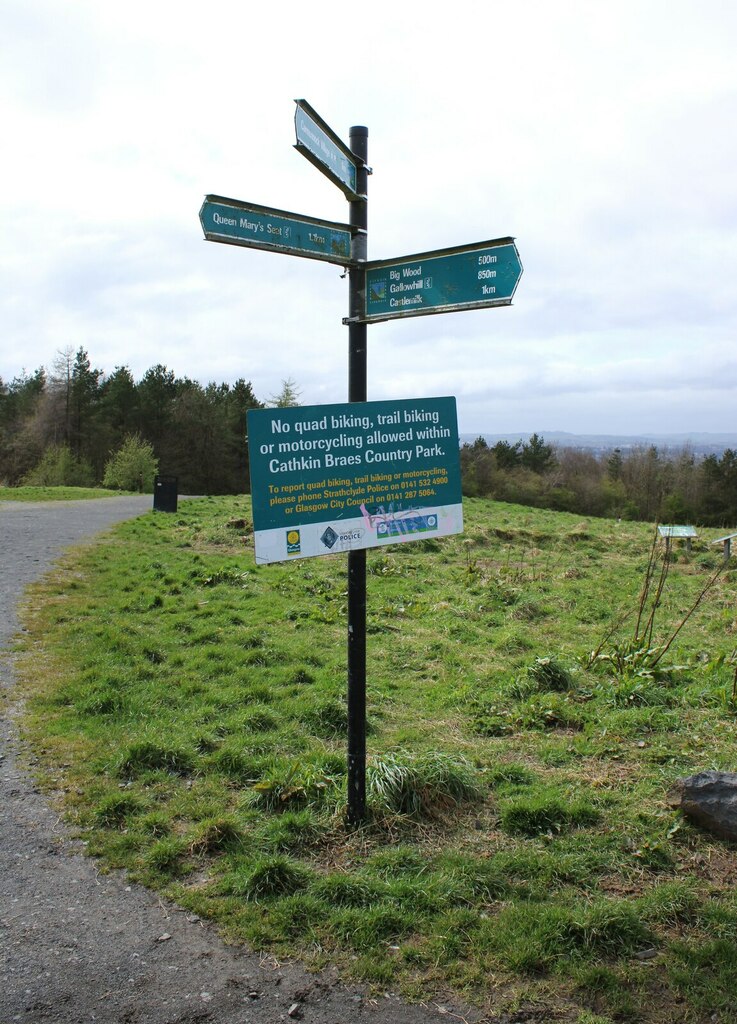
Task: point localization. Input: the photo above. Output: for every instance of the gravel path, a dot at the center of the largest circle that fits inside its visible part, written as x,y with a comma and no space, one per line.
76,946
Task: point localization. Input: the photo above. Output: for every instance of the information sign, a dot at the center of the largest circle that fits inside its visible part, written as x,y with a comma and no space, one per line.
321,146
259,227
443,281
328,478
677,531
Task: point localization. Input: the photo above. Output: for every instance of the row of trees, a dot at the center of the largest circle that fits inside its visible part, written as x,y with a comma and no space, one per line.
76,425
65,425
643,483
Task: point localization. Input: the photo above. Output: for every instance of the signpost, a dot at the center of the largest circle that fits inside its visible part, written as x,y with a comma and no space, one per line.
329,478
259,227
321,146
443,281
349,477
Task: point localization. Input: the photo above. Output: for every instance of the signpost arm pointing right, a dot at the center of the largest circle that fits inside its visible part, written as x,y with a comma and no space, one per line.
357,392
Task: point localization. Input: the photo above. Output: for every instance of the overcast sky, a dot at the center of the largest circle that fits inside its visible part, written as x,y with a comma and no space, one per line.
601,135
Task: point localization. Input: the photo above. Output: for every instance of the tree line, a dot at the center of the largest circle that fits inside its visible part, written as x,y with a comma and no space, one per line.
66,424
642,483
75,425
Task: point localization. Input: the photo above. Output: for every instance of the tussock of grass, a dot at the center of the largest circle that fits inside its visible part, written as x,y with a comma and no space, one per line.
102,700
145,756
534,938
155,824
294,832
700,973
421,787
397,861
298,784
367,928
237,762
343,890
300,916
116,809
165,856
214,835
671,903
328,717
510,775
519,851
543,812
472,881
549,674
267,878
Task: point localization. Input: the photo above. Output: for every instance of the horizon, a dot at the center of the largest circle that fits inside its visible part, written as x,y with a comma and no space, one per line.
697,435
684,435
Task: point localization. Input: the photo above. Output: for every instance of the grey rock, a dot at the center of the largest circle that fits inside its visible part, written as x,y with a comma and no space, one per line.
709,799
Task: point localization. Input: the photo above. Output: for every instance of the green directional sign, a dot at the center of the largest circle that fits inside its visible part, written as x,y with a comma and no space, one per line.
259,227
330,478
443,281
321,146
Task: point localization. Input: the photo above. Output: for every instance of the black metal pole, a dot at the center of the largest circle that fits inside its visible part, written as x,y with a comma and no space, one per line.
357,392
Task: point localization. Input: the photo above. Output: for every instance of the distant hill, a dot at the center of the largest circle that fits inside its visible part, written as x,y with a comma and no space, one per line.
698,443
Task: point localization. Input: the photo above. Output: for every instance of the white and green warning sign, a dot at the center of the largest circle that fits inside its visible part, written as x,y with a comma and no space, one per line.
329,478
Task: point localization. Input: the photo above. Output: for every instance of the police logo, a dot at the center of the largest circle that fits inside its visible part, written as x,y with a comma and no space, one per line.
329,537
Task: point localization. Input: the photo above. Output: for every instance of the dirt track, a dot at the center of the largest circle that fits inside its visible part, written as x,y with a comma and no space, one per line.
76,946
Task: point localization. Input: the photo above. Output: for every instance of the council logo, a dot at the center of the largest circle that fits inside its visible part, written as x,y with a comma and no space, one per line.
294,546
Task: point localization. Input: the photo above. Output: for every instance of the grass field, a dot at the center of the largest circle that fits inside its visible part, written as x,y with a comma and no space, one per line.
188,709
56,493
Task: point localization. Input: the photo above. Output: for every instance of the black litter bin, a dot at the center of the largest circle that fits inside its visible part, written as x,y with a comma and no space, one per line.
165,493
